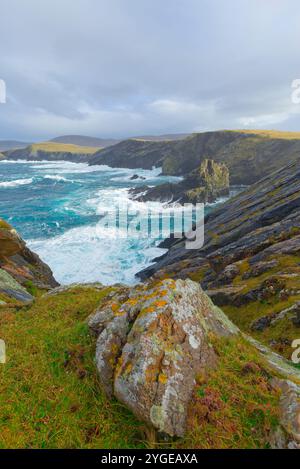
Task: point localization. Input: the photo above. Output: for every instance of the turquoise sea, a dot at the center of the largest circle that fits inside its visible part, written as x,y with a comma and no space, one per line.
57,208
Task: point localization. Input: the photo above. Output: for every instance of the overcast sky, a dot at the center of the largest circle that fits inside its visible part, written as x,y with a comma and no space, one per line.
117,68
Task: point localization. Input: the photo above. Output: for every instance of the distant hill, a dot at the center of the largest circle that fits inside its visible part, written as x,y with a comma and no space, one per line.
161,138
84,141
12,144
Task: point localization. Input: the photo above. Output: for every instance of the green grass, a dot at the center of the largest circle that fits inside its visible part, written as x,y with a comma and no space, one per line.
53,147
50,397
277,134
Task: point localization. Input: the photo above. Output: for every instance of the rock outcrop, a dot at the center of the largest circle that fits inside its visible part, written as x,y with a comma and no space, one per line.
205,184
152,343
20,268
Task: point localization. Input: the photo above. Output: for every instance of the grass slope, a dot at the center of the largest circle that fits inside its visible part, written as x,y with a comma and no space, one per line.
50,396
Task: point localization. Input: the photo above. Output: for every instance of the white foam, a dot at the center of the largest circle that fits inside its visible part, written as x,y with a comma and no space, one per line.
87,254
56,177
15,183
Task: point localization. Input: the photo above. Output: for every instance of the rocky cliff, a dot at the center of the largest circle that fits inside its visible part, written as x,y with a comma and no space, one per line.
250,262
247,154
205,184
21,270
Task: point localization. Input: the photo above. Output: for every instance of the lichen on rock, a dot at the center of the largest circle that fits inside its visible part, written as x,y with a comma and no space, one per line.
151,348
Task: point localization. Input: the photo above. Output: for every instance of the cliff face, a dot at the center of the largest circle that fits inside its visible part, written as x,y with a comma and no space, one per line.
248,155
205,184
250,262
133,153
21,270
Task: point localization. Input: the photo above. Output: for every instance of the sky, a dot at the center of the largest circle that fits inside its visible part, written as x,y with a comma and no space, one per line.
120,68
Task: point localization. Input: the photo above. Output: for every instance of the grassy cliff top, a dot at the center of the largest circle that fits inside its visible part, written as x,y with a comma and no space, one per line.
276,134
54,147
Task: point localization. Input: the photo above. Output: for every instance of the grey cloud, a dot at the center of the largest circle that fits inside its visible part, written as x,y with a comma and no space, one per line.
120,68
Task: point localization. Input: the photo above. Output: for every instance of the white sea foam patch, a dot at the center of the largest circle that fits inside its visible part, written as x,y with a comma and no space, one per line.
56,177
86,254
20,161
15,183
67,167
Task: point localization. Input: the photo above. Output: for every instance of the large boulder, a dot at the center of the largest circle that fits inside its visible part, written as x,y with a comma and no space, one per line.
153,342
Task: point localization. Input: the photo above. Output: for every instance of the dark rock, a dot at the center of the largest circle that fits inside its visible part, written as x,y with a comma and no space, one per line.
262,323
136,176
260,268
226,277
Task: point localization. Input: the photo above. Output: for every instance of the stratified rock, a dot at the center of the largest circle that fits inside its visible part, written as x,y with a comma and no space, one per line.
151,347
260,222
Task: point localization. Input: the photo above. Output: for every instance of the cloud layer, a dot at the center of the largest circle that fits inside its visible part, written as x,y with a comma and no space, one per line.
116,68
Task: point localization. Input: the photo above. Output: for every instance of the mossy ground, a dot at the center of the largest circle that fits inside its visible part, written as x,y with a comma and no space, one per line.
50,395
